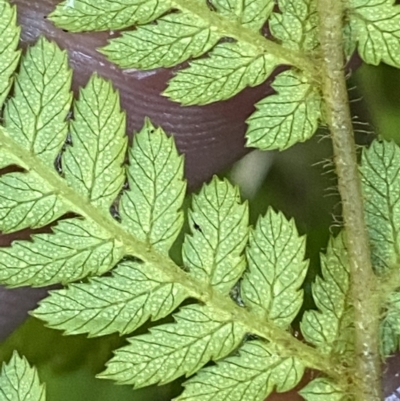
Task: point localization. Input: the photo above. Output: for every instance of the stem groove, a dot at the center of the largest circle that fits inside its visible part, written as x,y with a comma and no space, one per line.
365,374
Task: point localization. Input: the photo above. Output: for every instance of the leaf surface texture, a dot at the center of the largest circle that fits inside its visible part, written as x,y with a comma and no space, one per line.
250,375
93,165
375,24
276,269
150,208
9,55
381,191
285,118
100,15
214,251
19,381
329,329
134,293
35,116
200,334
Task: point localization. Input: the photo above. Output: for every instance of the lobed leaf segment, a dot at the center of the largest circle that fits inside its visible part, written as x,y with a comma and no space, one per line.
128,215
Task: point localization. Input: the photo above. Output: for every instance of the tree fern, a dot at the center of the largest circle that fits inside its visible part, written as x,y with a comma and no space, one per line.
242,285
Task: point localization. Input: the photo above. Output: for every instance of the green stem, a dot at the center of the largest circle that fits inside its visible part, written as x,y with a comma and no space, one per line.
366,373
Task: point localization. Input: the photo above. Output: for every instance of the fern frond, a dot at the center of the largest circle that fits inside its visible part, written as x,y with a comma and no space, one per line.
247,59
239,55
178,36
265,268
19,381
144,283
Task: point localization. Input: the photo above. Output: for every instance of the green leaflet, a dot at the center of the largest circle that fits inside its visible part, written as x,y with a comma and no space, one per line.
322,390
249,13
199,335
286,118
121,303
35,116
329,328
175,38
150,208
296,24
381,192
219,221
93,164
9,55
229,68
100,15
270,287
76,249
19,381
27,201
390,325
251,375
375,24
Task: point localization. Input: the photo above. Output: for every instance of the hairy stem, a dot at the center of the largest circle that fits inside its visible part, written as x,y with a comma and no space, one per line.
366,376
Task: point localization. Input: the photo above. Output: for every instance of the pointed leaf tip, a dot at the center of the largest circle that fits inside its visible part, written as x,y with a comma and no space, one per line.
150,208
93,164
19,381
276,269
218,219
